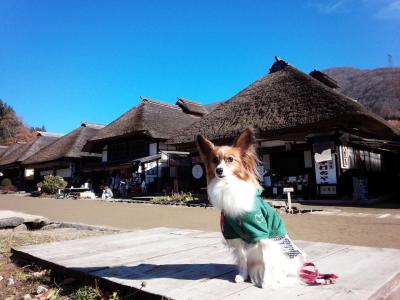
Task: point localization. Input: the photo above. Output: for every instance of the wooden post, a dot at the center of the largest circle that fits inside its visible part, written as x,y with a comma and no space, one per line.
289,199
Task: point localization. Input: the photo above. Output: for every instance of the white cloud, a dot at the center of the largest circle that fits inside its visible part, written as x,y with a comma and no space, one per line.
328,7
391,11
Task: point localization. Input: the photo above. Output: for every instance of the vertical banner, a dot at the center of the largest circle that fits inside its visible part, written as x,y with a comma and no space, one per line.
325,171
344,157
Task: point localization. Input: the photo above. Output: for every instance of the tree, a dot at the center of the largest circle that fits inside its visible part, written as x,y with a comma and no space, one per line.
9,123
39,128
12,128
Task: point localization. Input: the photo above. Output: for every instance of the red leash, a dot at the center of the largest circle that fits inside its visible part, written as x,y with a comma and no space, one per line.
314,277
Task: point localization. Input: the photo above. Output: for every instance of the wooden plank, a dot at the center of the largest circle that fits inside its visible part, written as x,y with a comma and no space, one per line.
173,270
224,285
95,245
127,256
363,272
187,264
98,240
132,251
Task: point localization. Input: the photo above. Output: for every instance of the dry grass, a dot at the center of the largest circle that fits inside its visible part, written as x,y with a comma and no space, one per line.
28,278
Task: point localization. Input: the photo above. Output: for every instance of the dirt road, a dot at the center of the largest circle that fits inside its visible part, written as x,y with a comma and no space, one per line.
357,226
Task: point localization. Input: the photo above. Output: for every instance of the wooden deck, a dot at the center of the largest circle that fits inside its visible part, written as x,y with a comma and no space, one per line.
190,264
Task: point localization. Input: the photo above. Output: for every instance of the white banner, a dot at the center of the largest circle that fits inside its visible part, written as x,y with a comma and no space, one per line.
325,155
325,171
344,157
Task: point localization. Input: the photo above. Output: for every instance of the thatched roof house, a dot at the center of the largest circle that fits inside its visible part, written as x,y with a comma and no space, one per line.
67,147
287,101
10,149
150,119
18,152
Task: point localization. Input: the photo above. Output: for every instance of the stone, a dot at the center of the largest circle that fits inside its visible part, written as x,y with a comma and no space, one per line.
26,297
39,274
1,278
10,282
11,222
41,289
21,227
10,298
50,226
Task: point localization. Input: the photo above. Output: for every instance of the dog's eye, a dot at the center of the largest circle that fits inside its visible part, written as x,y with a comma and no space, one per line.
215,160
229,159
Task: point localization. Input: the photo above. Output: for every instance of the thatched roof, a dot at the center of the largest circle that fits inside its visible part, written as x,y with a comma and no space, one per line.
286,101
325,79
49,134
20,152
151,118
212,106
10,150
68,146
3,149
191,107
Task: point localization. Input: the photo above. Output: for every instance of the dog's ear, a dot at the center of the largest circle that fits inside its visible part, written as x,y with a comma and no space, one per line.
204,146
245,140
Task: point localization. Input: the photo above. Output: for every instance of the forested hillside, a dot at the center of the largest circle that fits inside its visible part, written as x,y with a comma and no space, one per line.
378,89
12,128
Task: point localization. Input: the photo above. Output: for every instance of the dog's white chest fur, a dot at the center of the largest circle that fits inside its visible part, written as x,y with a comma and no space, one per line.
232,195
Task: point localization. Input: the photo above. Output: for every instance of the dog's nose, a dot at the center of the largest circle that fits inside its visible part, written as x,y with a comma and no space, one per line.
219,171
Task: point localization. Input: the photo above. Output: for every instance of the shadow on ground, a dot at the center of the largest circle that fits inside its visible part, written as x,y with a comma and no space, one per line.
175,271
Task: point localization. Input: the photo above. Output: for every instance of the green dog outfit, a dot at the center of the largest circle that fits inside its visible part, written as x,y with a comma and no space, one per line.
261,223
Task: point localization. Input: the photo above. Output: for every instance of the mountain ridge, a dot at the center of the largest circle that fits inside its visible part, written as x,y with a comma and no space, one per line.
377,89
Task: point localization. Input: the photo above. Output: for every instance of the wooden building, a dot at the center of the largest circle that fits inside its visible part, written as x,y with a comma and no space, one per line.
65,156
309,135
135,142
13,156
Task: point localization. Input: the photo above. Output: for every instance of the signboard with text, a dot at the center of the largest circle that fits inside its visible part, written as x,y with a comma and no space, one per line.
325,172
344,157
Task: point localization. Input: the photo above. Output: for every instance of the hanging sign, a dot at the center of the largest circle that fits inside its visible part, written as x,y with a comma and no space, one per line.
344,157
325,171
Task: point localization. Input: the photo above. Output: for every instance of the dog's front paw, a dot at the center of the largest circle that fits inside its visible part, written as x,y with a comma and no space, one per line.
239,278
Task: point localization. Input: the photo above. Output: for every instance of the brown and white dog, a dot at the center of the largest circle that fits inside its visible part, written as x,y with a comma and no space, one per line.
232,186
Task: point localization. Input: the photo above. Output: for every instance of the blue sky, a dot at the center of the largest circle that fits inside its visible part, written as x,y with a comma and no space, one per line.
63,62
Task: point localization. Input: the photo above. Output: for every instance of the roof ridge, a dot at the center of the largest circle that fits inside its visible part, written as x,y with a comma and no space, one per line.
91,124
191,101
157,102
51,134
76,141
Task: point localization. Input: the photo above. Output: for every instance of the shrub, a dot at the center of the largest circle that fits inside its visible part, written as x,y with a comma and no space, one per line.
86,293
51,184
176,197
6,182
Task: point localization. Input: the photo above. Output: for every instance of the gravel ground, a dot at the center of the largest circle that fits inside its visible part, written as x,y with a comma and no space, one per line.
378,227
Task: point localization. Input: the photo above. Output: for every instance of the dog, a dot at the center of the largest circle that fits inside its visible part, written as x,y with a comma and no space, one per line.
252,229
